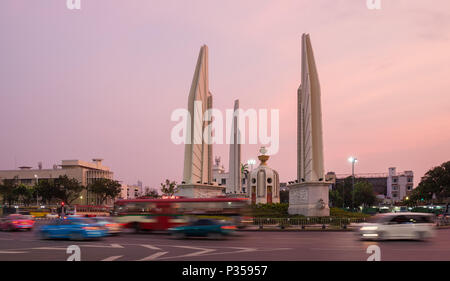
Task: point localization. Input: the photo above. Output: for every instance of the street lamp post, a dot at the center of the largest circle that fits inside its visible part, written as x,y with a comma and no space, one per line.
353,160
251,162
37,195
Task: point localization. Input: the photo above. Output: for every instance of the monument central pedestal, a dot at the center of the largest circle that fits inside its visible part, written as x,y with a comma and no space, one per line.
200,190
309,199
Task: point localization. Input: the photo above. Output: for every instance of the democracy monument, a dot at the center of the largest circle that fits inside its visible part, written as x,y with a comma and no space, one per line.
308,194
198,154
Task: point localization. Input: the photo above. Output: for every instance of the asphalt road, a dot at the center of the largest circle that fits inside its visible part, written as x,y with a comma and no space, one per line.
248,246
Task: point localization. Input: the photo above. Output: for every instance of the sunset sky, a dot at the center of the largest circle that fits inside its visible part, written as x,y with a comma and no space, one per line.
103,81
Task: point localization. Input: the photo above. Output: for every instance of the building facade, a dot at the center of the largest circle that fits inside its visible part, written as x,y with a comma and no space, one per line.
84,172
388,187
399,186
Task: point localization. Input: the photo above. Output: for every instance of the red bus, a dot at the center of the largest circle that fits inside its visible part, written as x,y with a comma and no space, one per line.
90,210
162,214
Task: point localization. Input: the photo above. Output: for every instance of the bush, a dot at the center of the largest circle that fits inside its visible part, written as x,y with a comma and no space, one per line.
274,210
340,213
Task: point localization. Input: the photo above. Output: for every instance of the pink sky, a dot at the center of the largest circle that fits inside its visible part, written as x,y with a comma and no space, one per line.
104,80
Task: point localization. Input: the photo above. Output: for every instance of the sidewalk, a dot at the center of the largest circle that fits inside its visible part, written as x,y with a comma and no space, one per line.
314,227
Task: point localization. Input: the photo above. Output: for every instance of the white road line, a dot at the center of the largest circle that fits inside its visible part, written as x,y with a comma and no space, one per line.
153,257
112,258
49,248
201,252
115,246
150,247
12,252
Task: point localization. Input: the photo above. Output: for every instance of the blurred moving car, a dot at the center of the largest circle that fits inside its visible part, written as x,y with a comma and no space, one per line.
203,228
419,226
52,216
112,227
16,222
73,228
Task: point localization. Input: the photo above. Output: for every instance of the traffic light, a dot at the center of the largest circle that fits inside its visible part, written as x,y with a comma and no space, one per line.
62,204
421,199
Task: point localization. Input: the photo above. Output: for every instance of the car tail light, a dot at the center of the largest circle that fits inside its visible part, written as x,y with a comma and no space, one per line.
90,228
15,222
228,227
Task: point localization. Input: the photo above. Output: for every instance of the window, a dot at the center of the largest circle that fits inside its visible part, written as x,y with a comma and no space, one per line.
399,220
394,187
409,179
253,180
223,181
394,194
409,188
204,222
269,180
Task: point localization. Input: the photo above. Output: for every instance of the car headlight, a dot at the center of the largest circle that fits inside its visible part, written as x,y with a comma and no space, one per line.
364,228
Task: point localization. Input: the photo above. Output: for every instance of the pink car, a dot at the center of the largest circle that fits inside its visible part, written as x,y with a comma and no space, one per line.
16,222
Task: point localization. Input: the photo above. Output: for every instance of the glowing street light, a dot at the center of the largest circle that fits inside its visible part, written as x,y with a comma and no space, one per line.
37,195
251,162
353,160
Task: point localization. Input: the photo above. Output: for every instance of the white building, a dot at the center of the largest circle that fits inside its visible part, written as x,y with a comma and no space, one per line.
132,191
264,182
399,185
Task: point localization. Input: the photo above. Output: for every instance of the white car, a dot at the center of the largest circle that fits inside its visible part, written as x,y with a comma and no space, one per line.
417,226
52,216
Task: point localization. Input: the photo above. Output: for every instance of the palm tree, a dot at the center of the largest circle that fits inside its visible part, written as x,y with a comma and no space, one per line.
244,171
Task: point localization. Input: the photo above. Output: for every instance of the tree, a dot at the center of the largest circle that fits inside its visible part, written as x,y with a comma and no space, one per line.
7,191
105,188
436,181
169,188
344,190
363,194
24,194
245,172
284,196
151,193
67,189
335,198
46,190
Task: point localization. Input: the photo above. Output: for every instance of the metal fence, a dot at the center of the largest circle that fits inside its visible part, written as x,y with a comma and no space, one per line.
444,221
303,222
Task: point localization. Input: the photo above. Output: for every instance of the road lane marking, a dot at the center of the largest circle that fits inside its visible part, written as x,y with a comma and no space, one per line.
112,258
114,246
153,257
12,252
49,248
151,247
201,252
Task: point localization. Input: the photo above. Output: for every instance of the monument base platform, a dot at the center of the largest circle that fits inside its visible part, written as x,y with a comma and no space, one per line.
309,199
199,190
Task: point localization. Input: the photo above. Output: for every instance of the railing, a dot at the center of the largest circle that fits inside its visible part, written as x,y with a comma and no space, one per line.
443,221
303,222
